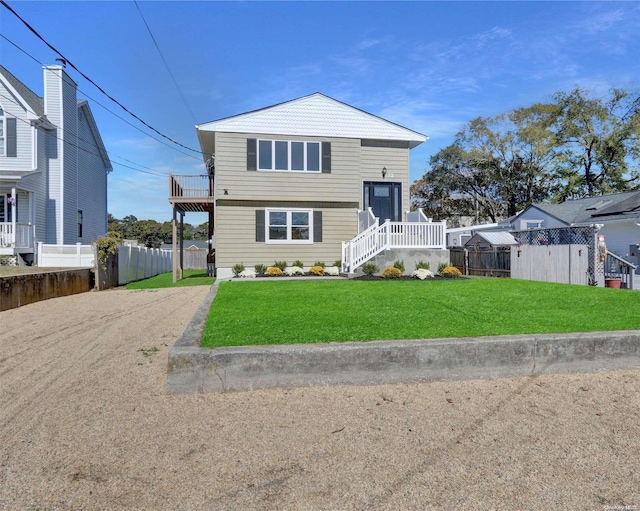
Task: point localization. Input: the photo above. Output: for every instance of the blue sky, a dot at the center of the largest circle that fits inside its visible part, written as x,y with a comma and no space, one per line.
429,66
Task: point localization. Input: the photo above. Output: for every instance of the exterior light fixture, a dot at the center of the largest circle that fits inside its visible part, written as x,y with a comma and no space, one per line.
384,172
226,191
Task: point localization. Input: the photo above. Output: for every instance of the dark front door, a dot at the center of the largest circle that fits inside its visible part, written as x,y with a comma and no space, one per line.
385,199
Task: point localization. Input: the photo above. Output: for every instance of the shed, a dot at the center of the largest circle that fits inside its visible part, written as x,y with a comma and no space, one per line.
491,240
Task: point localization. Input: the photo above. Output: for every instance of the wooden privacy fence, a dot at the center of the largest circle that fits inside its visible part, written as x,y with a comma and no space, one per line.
567,264
493,262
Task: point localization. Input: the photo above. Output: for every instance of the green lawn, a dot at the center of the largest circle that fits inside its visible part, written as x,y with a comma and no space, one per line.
249,313
190,278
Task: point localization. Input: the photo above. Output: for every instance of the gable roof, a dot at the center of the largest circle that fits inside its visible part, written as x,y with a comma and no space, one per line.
589,209
35,102
315,115
494,238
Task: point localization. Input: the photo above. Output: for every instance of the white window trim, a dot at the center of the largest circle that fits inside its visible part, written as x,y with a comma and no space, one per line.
3,140
288,241
527,224
273,156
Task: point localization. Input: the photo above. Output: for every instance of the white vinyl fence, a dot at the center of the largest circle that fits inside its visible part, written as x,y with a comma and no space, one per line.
65,256
137,263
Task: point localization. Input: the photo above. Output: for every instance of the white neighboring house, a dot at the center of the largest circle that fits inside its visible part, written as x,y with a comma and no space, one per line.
53,166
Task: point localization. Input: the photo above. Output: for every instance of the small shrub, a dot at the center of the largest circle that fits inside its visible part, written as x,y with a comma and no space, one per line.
294,270
317,270
399,265
237,269
319,263
442,266
391,272
260,269
370,269
333,271
422,274
451,272
274,271
422,265
338,263
298,263
280,264
247,274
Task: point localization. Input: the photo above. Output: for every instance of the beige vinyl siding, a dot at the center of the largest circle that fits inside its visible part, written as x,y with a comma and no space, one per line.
373,159
236,239
342,184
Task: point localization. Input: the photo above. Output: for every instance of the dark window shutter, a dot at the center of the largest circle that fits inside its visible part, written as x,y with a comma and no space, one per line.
317,226
252,154
326,157
260,225
12,139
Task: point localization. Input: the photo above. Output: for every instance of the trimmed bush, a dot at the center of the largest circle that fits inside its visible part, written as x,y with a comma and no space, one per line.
451,272
280,264
442,266
399,265
317,270
370,269
391,272
338,263
298,263
247,274
422,265
333,271
260,269
294,270
319,263
274,271
422,274
237,269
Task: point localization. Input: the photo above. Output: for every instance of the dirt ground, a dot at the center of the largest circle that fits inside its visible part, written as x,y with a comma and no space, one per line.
86,424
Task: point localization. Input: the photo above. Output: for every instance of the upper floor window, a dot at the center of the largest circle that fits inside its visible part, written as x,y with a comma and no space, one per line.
288,155
2,151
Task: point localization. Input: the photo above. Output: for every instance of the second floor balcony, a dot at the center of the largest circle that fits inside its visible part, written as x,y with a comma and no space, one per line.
191,193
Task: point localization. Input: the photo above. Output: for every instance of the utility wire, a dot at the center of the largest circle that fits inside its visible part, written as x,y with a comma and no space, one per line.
100,104
184,100
154,172
35,32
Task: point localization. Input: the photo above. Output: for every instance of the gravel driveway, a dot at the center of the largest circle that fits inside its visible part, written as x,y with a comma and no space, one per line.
86,424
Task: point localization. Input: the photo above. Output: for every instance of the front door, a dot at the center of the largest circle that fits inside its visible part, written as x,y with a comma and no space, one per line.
385,199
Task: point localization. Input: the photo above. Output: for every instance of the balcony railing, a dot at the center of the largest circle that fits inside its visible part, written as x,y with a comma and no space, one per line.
190,187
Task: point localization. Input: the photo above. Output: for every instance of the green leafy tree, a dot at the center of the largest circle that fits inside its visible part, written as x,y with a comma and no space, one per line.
599,143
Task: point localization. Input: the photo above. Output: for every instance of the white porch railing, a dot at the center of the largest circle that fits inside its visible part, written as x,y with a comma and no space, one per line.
391,235
21,238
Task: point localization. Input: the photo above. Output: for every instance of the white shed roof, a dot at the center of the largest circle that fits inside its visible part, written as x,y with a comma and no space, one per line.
496,238
315,115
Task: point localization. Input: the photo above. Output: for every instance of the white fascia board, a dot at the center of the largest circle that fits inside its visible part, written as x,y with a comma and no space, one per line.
17,98
315,116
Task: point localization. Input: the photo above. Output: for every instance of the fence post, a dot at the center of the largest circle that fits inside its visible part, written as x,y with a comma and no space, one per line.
78,253
39,261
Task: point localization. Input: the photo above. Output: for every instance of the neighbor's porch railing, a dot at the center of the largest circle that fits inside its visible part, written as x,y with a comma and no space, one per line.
615,267
391,235
21,238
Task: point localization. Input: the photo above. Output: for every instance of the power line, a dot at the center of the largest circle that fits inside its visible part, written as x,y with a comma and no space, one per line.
101,105
184,100
35,32
154,172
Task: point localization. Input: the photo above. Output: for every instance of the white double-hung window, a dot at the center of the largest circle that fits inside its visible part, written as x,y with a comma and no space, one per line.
289,226
287,155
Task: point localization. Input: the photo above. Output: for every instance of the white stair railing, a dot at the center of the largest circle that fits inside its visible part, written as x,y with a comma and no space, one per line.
390,235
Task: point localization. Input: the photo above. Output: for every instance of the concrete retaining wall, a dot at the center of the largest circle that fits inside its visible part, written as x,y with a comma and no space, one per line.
193,369
34,287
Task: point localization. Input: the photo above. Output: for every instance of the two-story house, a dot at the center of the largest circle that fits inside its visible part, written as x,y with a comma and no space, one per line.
53,166
300,180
